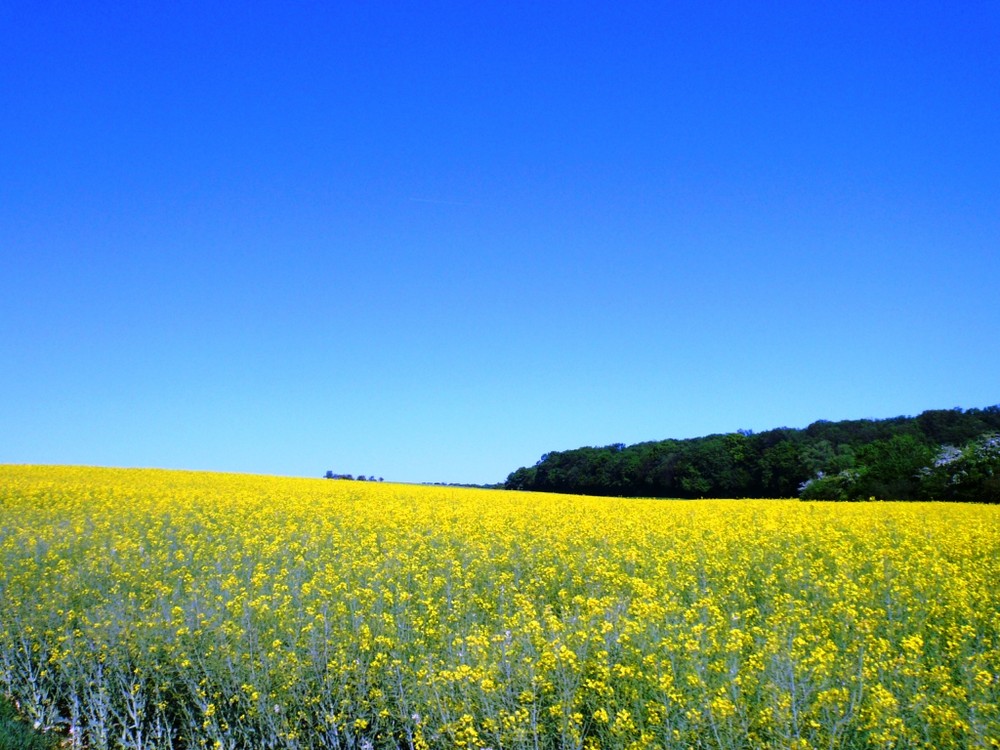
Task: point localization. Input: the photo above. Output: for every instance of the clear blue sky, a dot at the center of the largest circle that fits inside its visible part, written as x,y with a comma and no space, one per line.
431,241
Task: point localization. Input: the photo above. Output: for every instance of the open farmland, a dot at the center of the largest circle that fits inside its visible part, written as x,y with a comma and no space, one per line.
156,609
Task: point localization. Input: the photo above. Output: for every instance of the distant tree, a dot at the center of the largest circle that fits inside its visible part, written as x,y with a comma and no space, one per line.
821,455
782,470
952,426
522,479
842,486
971,473
892,467
846,460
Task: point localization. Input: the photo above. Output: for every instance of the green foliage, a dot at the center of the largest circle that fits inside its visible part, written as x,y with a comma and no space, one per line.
842,486
848,460
17,734
781,466
970,473
893,467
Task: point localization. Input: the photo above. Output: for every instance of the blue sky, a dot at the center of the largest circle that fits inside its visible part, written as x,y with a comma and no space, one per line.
432,241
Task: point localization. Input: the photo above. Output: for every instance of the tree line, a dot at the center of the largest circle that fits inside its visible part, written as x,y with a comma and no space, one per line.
942,454
351,477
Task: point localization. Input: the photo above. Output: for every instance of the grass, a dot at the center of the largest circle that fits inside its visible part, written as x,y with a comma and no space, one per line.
17,734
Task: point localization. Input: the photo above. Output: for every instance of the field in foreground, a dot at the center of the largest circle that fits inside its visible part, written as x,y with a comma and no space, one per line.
154,609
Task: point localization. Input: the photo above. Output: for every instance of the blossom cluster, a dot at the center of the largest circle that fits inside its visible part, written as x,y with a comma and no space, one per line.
150,609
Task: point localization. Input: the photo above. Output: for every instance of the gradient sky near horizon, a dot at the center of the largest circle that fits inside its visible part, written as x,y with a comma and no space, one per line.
432,241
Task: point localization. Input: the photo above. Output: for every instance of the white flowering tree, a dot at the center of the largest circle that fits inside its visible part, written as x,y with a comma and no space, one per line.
971,473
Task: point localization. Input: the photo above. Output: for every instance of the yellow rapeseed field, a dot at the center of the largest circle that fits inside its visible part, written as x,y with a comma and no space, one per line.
160,609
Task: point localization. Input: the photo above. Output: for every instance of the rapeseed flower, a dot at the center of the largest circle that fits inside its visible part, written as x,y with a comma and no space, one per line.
154,609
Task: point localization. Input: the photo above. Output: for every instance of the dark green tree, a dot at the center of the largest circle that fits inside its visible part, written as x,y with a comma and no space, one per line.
968,474
847,460
893,467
